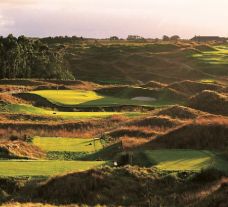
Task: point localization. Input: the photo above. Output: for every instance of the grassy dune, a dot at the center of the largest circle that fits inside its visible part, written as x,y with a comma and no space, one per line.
16,168
217,56
67,144
185,160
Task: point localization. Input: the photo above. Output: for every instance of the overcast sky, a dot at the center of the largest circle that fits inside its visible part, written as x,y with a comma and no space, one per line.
103,18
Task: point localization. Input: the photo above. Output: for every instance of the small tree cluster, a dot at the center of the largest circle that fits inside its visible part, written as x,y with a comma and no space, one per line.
27,58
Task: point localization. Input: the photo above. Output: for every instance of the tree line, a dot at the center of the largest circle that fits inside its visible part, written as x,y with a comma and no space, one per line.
24,57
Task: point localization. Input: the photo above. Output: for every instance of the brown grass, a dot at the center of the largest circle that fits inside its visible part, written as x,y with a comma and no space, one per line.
9,99
180,112
192,87
133,142
210,101
20,149
153,84
200,134
130,186
87,128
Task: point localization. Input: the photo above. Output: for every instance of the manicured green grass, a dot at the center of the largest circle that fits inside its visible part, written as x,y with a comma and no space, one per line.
23,108
89,99
218,56
16,168
208,81
67,144
68,97
185,160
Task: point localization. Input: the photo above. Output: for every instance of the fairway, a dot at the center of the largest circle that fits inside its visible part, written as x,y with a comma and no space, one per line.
16,168
59,144
185,160
25,108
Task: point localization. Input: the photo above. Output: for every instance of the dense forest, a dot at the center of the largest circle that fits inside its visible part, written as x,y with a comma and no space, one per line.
30,58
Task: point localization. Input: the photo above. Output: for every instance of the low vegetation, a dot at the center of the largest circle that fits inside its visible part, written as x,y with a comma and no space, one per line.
150,130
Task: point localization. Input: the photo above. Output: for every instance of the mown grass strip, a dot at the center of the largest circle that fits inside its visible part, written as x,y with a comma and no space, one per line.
17,168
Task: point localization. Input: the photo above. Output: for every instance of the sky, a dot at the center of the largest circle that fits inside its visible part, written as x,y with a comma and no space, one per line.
105,18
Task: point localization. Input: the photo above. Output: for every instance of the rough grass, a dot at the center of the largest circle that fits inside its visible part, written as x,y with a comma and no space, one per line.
188,87
61,128
203,133
180,112
17,168
210,101
130,186
19,149
9,99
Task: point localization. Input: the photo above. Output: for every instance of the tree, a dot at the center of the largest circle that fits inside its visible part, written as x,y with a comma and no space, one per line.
26,58
165,38
114,38
175,38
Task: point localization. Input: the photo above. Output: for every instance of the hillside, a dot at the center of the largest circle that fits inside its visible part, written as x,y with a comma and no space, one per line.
145,126
114,62
210,101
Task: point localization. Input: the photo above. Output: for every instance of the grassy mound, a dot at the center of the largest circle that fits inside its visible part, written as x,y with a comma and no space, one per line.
9,99
192,87
26,117
93,187
128,186
60,128
19,149
180,112
210,101
141,130
201,134
205,47
20,82
155,121
153,84
36,100
132,132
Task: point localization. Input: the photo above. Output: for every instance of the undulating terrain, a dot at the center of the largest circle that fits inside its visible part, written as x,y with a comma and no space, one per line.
138,124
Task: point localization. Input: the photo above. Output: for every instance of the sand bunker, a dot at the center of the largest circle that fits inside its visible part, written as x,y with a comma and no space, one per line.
143,98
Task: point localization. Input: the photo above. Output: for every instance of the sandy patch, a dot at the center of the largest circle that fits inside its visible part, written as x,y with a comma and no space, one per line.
143,98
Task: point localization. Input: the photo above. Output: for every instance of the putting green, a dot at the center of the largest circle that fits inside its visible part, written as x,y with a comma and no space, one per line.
185,160
68,97
89,99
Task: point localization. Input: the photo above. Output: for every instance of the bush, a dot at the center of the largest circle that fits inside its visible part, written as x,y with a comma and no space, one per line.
207,175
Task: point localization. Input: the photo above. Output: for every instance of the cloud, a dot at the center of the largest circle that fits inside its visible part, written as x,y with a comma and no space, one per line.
102,18
5,22
17,2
